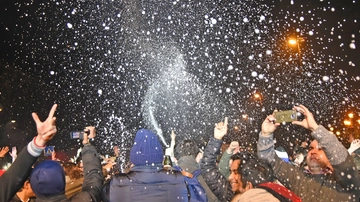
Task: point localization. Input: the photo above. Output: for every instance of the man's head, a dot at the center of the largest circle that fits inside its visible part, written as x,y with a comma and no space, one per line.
26,190
186,148
48,178
147,149
316,159
246,172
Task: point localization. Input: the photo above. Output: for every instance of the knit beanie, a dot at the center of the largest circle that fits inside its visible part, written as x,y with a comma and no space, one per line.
48,178
147,149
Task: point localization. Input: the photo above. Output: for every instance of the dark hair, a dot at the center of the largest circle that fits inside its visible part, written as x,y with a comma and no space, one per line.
252,169
75,174
68,167
186,148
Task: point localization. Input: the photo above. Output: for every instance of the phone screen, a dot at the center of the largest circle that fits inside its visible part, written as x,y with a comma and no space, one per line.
285,116
75,134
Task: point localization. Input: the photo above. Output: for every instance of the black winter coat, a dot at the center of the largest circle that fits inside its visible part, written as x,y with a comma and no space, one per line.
217,183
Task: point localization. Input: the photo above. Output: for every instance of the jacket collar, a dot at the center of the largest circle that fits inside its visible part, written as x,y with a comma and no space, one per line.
53,198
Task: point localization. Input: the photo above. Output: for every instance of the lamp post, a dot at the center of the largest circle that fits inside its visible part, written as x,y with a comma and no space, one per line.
296,42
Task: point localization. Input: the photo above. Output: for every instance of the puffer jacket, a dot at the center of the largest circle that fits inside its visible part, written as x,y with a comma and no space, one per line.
217,183
146,183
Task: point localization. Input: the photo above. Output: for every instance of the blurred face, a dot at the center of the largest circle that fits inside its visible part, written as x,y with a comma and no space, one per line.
316,158
235,177
29,191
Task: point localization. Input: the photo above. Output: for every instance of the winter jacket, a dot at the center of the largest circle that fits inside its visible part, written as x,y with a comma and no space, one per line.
342,185
189,164
217,183
146,183
93,180
13,179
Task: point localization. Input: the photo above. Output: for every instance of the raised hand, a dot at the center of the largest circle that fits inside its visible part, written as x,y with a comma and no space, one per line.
220,129
173,135
233,145
308,122
3,151
13,153
269,126
92,134
47,129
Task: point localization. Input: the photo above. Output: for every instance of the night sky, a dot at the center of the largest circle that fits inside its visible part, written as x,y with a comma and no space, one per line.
174,65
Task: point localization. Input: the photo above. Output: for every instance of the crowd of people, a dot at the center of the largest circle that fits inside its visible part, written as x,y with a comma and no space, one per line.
323,170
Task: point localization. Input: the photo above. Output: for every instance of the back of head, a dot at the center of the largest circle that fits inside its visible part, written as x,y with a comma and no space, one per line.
68,167
253,170
186,148
147,149
48,178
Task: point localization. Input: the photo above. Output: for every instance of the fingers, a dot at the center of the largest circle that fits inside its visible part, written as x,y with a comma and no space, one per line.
52,111
299,123
50,118
92,131
271,119
35,118
49,133
226,121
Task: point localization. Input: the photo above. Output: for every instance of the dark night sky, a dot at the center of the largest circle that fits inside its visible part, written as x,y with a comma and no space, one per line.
112,64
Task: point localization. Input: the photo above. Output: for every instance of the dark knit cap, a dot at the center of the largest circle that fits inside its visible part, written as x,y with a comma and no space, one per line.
48,178
147,149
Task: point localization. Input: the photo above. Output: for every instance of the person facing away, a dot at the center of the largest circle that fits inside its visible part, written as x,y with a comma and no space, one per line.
249,180
185,153
331,174
146,180
48,178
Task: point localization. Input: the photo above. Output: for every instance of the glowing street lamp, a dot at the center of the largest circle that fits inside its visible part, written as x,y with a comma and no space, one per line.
351,123
296,42
258,96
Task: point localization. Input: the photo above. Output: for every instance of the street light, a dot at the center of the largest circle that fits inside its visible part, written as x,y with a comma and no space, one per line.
258,96
296,42
351,124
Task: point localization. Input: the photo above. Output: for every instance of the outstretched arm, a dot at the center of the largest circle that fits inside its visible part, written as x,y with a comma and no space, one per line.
13,179
265,145
93,179
217,183
342,163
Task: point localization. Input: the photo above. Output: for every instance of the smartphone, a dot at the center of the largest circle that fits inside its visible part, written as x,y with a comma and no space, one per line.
286,116
77,135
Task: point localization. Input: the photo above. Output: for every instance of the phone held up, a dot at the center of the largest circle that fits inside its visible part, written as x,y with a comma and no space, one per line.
78,134
287,116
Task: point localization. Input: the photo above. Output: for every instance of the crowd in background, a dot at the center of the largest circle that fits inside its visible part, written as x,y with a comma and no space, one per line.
320,169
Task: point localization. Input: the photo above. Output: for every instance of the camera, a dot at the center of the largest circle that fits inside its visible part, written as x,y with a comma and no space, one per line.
286,116
78,134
